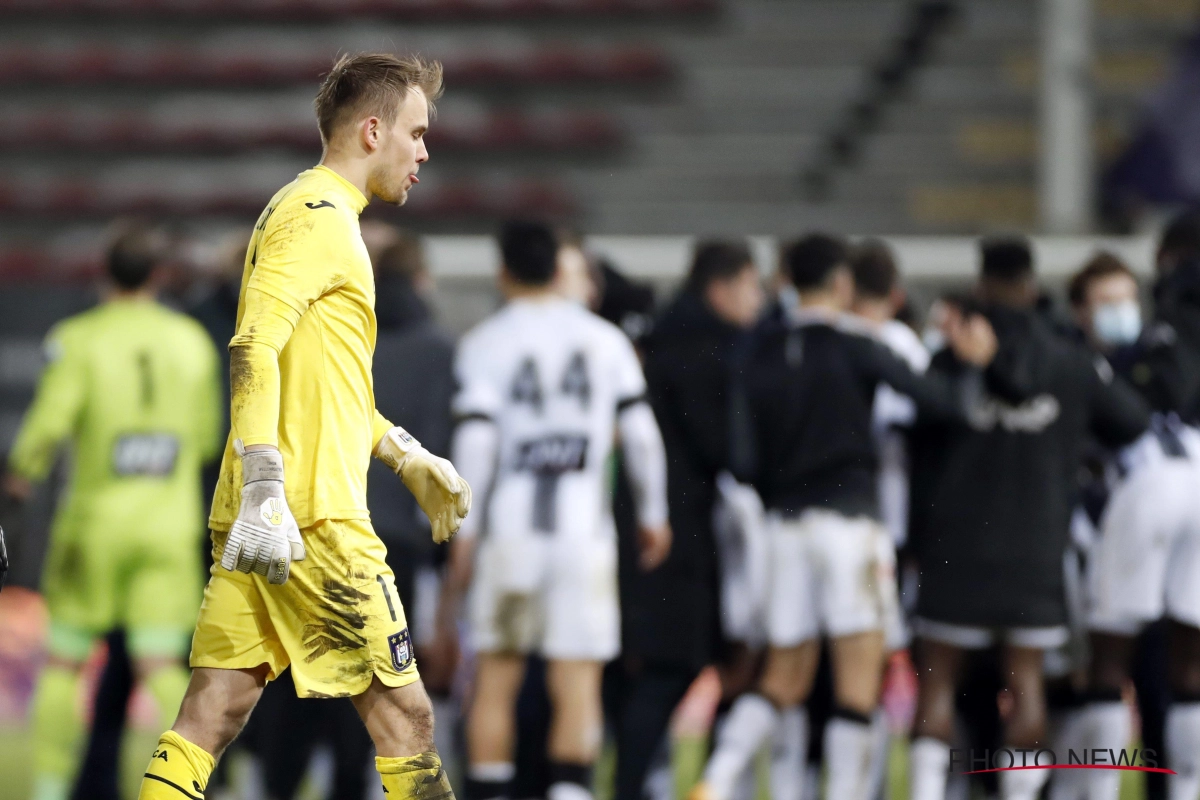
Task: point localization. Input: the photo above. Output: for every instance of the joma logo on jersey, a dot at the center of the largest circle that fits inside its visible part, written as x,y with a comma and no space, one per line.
552,454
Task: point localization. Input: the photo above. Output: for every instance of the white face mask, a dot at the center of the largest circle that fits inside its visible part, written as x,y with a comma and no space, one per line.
1117,323
933,339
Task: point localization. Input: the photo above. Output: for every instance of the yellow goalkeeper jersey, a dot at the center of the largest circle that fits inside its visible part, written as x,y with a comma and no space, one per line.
308,293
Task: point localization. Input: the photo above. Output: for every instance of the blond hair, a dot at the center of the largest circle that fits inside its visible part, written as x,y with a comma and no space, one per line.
373,83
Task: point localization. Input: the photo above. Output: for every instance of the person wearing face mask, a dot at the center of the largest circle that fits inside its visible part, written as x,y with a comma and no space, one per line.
1145,556
991,511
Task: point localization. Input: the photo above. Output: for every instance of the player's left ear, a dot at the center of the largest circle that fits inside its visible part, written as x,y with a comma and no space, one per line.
371,132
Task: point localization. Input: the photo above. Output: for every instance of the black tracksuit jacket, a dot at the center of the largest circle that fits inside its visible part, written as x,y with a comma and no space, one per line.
991,503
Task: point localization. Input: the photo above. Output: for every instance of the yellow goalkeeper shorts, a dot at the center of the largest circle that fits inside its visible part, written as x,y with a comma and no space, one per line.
337,621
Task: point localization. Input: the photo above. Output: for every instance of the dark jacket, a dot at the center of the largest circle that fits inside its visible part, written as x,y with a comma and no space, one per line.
414,382
802,405
671,615
991,503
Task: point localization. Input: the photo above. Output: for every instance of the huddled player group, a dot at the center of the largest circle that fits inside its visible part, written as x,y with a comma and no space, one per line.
791,484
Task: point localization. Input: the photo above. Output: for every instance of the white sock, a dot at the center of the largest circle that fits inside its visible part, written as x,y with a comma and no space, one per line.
1183,751
848,745
750,722
1068,733
1022,784
567,791
928,763
1107,725
881,737
789,754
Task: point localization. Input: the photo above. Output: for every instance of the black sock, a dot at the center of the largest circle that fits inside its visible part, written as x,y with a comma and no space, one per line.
486,790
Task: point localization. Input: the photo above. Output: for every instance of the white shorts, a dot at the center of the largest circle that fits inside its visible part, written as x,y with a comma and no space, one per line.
828,574
553,595
975,637
1147,559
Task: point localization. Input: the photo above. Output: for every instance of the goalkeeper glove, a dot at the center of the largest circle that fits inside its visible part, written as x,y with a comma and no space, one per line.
264,538
442,494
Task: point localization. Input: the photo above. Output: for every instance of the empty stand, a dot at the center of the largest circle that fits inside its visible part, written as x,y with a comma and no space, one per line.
291,10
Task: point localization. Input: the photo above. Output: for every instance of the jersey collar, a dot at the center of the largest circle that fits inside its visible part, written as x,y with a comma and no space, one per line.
357,201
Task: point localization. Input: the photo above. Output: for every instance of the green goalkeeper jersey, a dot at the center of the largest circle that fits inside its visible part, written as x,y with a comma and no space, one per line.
133,387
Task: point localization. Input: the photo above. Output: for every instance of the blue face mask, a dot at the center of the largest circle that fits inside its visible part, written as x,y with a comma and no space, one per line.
1117,323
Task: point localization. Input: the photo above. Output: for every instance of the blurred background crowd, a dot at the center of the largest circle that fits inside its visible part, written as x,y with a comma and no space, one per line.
636,128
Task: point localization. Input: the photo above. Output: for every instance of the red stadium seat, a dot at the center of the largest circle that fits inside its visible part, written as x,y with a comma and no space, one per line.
161,132
407,10
66,198
161,65
158,131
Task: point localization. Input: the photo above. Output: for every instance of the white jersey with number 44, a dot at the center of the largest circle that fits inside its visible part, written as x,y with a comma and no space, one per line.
552,377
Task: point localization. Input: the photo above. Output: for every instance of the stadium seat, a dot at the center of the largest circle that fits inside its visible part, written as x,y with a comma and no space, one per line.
407,10
169,66
159,130
65,198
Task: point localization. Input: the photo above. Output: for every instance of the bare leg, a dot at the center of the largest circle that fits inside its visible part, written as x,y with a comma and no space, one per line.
938,669
1026,725
858,671
217,704
849,737
399,720
789,672
576,727
490,722
1112,655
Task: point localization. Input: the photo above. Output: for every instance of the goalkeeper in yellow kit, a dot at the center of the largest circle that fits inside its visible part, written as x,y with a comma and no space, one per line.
300,576
134,387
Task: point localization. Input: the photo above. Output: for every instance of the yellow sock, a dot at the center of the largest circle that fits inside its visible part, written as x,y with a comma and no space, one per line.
178,769
418,777
168,685
57,732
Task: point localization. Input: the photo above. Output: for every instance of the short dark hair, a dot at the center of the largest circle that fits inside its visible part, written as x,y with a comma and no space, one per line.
373,83
874,268
718,260
134,255
810,260
1008,259
1181,238
1101,265
405,258
530,251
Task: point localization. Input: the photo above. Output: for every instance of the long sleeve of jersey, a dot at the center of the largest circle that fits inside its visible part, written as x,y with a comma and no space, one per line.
935,395
293,267
380,425
473,451
54,413
1118,414
646,462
